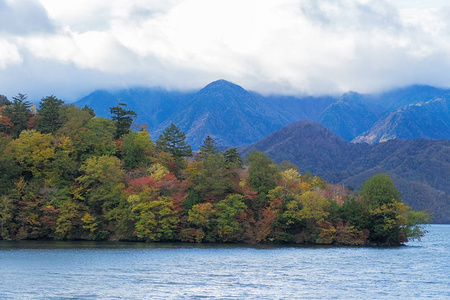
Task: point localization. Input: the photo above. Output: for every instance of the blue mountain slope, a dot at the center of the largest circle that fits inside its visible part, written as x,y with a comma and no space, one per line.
229,114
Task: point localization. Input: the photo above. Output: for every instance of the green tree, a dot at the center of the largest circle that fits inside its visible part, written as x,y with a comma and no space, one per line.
232,157
102,184
33,151
123,119
209,147
18,111
379,190
6,216
215,180
173,141
156,220
49,115
230,215
136,148
98,139
262,172
9,170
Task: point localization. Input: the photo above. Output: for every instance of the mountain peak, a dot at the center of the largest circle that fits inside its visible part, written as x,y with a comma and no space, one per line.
222,84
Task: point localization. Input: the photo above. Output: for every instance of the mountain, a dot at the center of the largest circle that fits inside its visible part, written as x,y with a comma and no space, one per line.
302,108
234,116
152,105
350,116
223,110
228,113
429,120
419,168
397,98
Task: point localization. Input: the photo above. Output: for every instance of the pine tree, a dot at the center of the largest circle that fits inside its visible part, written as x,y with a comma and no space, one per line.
232,157
123,119
173,141
49,112
209,147
18,111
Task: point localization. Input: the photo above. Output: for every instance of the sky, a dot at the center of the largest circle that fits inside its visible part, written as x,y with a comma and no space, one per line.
294,47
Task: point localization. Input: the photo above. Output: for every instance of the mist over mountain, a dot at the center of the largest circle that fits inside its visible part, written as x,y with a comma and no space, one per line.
420,168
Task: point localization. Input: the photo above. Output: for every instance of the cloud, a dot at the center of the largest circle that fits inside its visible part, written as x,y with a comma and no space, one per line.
284,46
23,17
9,55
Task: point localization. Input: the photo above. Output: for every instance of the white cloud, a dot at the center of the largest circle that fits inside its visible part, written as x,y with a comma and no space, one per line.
284,46
9,55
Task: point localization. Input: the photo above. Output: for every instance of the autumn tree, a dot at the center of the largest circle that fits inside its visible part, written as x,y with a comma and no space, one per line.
33,151
389,219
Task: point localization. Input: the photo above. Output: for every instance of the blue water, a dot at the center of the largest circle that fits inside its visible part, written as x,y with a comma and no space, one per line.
83,270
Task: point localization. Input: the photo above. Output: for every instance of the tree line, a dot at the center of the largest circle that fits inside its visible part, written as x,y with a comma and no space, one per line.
67,174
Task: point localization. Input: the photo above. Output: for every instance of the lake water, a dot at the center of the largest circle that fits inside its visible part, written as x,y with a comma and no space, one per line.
84,270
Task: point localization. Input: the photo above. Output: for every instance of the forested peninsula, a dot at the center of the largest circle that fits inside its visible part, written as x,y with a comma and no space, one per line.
66,174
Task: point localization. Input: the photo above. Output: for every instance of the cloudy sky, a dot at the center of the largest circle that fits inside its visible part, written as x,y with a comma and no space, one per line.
70,48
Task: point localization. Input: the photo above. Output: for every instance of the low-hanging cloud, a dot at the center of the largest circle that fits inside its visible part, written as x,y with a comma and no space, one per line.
285,46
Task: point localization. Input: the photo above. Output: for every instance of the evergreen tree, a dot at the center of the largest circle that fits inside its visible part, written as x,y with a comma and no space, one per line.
232,157
209,147
18,111
123,119
4,100
173,141
49,112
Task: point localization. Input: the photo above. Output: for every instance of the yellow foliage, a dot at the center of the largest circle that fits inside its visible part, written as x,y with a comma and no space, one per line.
157,171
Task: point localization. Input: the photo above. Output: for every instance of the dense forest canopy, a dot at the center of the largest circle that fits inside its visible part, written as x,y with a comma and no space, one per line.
68,174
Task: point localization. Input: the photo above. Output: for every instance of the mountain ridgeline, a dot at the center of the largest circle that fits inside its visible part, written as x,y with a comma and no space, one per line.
222,110
234,116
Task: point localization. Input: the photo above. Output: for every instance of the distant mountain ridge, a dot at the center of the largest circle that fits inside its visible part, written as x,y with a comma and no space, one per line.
350,116
428,120
223,110
420,168
234,116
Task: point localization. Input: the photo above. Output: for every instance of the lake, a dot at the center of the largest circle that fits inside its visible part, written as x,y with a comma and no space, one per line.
92,270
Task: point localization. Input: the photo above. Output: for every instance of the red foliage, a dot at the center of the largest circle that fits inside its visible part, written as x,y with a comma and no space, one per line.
138,185
5,121
175,188
31,124
118,143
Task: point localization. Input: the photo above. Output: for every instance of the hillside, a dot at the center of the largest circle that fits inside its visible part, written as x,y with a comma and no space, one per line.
419,168
428,120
